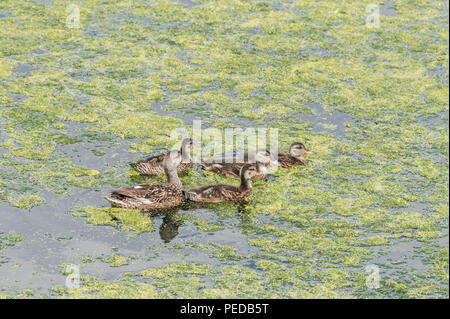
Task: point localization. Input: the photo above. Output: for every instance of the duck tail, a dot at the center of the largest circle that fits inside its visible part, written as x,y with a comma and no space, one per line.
114,201
133,165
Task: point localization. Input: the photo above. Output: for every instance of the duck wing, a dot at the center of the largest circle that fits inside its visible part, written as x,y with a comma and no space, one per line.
288,161
149,192
152,160
225,169
147,197
150,165
216,193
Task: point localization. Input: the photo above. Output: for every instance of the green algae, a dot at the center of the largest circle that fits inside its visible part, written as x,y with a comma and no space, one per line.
116,260
25,201
128,220
96,289
315,227
9,239
224,252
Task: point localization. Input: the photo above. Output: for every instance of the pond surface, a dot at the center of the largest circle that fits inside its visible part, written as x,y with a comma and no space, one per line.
78,104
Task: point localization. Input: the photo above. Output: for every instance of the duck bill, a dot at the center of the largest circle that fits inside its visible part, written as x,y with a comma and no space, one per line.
309,152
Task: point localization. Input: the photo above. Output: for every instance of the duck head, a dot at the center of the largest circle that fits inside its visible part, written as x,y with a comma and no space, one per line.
248,171
298,149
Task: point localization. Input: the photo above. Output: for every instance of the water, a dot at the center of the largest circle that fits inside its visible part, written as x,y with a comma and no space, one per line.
294,234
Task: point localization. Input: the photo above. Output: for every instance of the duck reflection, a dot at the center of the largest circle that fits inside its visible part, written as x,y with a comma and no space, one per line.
169,227
171,219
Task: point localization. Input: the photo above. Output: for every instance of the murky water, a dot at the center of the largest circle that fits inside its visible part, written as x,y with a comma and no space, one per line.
374,194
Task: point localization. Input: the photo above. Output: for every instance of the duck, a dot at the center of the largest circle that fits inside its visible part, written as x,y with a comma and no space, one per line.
232,170
295,156
151,197
230,166
153,165
225,193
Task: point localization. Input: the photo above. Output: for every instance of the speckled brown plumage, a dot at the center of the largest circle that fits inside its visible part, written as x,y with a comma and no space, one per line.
147,197
295,156
221,193
231,170
150,197
217,193
231,166
154,165
288,161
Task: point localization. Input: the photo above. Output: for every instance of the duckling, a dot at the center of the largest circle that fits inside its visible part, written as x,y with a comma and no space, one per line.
219,193
154,165
231,166
149,197
295,156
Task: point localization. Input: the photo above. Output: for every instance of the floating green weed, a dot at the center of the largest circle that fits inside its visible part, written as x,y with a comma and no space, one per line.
379,176
123,219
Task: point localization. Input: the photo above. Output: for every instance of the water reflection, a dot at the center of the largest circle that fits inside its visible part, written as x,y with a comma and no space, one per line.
172,220
169,227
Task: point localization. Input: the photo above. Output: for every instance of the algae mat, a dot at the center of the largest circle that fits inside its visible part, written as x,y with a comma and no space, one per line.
363,84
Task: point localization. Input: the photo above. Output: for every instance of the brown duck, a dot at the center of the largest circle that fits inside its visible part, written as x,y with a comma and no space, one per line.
220,193
154,165
230,167
295,156
149,197
233,170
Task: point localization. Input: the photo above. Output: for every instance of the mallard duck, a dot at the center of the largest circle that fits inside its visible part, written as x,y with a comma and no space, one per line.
221,193
233,170
295,156
149,197
231,166
153,165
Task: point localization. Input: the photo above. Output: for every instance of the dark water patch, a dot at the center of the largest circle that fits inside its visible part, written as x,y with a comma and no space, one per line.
93,150
440,73
185,115
401,255
5,14
25,69
188,3
46,2
315,51
254,31
38,52
92,31
387,9
434,120
334,123
53,237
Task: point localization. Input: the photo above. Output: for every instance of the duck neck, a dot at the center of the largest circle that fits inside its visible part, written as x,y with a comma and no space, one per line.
185,155
245,184
172,177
